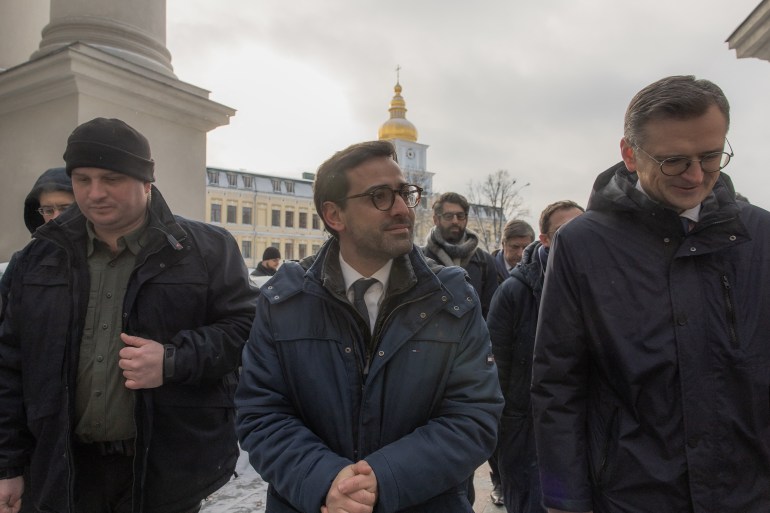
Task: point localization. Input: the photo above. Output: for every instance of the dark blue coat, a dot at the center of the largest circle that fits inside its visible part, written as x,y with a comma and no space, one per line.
424,416
189,288
512,321
651,380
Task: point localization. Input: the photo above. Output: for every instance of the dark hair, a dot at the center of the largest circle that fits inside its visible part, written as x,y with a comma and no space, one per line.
678,97
331,180
545,215
517,228
450,197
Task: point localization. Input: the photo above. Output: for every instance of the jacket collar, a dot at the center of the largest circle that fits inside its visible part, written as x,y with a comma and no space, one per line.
70,228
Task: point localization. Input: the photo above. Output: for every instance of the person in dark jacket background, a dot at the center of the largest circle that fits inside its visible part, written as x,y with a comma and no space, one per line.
511,321
50,196
271,260
450,242
650,377
385,396
120,345
517,235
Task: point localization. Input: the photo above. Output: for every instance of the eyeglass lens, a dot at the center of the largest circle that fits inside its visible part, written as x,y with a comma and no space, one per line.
384,197
710,163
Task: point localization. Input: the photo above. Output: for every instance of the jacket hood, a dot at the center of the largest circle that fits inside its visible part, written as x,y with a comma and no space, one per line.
615,190
529,270
54,179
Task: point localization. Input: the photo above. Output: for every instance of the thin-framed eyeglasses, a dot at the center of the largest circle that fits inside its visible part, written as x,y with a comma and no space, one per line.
383,196
49,211
709,163
448,216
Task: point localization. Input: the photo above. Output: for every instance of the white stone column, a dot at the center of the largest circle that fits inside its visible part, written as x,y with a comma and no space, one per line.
134,30
100,58
21,22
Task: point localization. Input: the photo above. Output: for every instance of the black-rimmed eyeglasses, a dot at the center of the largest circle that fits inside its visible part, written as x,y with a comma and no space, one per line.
709,163
383,197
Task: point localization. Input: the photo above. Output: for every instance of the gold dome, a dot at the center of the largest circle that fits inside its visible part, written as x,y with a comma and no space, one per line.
398,127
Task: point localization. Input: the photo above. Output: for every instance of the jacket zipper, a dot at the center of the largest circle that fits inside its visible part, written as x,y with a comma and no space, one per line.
730,307
606,449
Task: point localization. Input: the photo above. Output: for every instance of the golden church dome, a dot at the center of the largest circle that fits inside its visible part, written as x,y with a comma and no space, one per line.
398,127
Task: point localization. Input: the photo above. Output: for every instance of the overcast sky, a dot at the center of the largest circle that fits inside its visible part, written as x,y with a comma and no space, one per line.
537,88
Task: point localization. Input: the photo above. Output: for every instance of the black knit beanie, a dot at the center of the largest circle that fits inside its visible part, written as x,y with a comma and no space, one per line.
271,253
110,144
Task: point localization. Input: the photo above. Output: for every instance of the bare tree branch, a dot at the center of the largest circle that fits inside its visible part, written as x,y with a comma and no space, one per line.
494,200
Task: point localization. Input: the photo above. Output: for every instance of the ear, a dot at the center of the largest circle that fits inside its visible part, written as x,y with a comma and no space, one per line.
545,240
333,216
628,154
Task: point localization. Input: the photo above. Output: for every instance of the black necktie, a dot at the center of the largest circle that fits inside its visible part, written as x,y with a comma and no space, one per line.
359,289
687,223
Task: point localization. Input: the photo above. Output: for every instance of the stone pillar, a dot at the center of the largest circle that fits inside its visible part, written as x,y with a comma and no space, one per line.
133,30
101,58
21,22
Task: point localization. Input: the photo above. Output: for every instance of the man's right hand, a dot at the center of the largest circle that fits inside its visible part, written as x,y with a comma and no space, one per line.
10,494
354,490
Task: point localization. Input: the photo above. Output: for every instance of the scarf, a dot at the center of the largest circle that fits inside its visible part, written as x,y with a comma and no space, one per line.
452,254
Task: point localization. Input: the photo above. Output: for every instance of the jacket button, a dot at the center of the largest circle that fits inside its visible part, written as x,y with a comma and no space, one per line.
733,237
347,350
681,320
444,299
162,265
423,315
381,353
693,249
469,299
666,240
456,307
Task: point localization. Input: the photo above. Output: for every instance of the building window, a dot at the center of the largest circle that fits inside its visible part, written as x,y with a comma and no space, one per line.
289,187
232,179
276,184
246,248
275,244
316,222
248,181
276,218
289,219
288,251
246,215
232,213
213,177
216,213
303,220
302,251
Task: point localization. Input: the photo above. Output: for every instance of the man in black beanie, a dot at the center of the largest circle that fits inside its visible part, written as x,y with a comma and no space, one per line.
271,260
120,344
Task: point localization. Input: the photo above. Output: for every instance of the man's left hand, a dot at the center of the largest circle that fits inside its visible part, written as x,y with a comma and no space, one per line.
142,362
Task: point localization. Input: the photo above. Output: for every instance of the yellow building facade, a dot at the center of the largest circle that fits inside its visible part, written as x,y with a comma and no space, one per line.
264,210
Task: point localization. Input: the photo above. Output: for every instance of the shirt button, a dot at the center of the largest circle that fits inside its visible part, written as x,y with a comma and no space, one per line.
100,358
109,295
98,393
104,326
